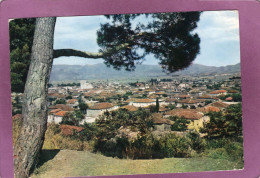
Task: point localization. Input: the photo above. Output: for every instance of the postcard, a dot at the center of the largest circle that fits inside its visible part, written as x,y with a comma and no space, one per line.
133,92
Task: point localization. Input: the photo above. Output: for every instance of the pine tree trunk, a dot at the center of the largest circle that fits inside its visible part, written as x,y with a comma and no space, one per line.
34,111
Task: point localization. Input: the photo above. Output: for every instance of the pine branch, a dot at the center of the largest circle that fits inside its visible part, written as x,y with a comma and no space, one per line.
77,53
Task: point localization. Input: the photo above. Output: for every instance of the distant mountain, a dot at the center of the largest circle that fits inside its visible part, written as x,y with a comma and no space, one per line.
101,71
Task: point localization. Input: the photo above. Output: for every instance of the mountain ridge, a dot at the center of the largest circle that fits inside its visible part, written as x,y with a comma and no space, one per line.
101,71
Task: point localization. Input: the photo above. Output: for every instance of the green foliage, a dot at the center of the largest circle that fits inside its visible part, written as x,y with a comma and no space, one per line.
69,97
184,106
157,106
192,107
197,143
83,107
152,109
68,84
228,124
72,118
235,151
21,38
207,102
146,146
237,97
60,101
180,124
168,36
171,106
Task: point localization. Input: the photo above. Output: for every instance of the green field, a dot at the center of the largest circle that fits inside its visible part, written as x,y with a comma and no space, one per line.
65,163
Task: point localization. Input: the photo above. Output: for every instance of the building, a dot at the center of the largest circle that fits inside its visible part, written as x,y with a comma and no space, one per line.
96,110
142,102
84,85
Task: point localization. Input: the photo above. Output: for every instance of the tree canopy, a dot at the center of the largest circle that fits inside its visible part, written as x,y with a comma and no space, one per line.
227,124
21,39
168,36
123,43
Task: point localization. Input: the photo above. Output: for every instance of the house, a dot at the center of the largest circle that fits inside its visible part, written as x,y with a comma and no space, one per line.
73,103
96,110
130,108
56,117
220,105
170,101
208,109
218,92
189,103
229,99
207,97
196,118
143,102
160,123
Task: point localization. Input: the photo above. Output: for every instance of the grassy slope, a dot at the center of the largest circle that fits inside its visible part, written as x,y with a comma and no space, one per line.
79,163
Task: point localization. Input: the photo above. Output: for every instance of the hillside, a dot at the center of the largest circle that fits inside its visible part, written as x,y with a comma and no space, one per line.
67,163
101,71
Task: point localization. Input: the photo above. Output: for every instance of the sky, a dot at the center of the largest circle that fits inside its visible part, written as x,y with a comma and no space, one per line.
218,31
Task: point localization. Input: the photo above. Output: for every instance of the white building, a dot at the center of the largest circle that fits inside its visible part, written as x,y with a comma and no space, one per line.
85,85
96,110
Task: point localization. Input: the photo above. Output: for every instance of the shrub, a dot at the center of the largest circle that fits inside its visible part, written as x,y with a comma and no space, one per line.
219,153
235,150
196,142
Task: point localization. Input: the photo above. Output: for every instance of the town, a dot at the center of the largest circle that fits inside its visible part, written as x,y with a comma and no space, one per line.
189,97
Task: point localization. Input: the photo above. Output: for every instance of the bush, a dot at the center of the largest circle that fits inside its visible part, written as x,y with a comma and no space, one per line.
196,142
54,139
235,150
217,143
175,146
145,147
219,153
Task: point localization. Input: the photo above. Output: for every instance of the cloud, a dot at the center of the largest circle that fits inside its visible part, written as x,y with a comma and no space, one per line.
219,26
218,31
219,34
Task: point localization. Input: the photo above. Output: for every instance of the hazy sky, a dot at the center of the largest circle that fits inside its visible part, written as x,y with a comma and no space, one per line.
218,31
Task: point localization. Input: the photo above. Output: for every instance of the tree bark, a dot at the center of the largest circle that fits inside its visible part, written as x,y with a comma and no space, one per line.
34,109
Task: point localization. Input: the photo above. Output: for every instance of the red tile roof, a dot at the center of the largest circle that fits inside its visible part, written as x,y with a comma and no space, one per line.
232,91
229,99
68,129
219,104
60,113
170,99
55,110
218,91
158,119
130,100
186,113
99,106
184,96
17,116
189,101
62,107
144,101
209,108
130,108
206,97
71,101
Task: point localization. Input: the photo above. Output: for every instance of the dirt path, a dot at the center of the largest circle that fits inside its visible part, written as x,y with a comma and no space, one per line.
78,163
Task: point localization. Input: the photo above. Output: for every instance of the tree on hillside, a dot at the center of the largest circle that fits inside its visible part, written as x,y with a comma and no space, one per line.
157,106
180,123
227,124
21,39
168,37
